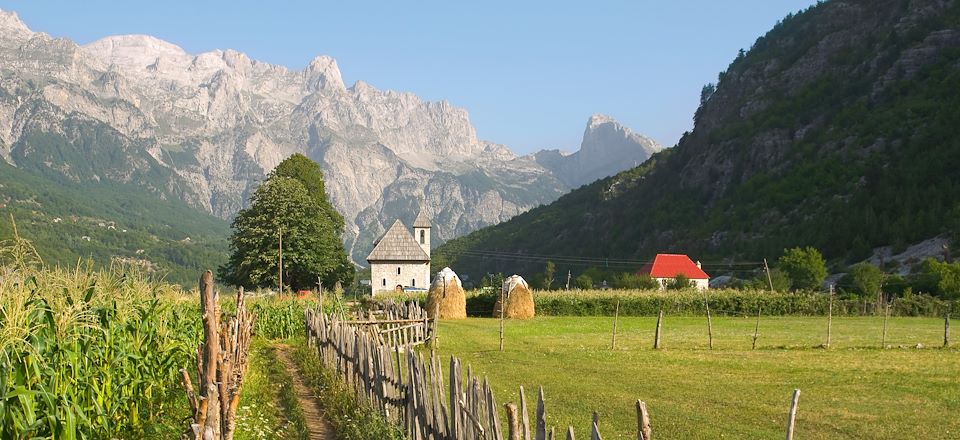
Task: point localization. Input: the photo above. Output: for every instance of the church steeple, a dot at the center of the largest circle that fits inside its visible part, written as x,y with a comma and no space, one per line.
421,231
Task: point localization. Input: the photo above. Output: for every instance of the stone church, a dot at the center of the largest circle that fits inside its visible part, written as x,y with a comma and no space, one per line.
400,260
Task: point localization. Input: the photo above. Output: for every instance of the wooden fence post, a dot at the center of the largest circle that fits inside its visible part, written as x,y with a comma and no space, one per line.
644,432
616,316
886,315
706,304
513,422
656,338
524,415
541,418
756,328
792,415
830,318
503,305
946,330
570,433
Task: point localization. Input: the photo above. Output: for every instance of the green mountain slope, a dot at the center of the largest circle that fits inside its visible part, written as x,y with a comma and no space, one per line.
109,224
838,129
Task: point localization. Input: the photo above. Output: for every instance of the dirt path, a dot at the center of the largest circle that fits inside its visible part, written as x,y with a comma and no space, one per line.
317,425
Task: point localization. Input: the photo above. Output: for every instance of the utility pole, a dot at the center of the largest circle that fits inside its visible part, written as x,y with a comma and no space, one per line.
568,279
767,269
280,266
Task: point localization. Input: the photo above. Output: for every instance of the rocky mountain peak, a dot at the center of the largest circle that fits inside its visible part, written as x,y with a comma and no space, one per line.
323,73
12,26
135,52
598,119
606,149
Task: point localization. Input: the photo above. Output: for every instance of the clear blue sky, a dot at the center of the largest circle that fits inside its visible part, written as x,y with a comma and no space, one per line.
530,73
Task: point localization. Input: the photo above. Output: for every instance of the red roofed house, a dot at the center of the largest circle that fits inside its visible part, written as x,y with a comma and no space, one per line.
665,267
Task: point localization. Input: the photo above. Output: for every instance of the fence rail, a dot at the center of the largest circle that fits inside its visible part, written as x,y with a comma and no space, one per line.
377,359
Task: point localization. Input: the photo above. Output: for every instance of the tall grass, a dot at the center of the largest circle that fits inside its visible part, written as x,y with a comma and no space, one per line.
87,353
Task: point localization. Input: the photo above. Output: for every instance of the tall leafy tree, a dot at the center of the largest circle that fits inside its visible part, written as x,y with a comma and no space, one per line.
308,172
312,248
805,267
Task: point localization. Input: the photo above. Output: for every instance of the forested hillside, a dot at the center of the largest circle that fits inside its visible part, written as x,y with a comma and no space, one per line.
106,224
838,129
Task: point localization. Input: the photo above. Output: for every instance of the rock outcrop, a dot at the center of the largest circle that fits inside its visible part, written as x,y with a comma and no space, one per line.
607,149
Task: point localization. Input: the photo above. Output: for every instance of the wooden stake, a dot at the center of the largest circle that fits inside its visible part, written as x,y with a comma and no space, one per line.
656,338
503,305
595,430
616,316
644,432
513,422
756,328
886,315
541,419
946,330
830,318
706,303
570,433
792,415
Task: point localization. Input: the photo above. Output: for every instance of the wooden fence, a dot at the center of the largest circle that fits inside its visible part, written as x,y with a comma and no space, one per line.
408,389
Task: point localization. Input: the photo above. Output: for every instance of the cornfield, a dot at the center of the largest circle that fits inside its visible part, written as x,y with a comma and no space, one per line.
86,353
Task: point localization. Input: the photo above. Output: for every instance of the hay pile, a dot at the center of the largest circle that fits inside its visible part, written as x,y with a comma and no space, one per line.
446,296
519,299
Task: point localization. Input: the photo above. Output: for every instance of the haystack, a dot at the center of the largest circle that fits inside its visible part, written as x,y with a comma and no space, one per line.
519,299
447,296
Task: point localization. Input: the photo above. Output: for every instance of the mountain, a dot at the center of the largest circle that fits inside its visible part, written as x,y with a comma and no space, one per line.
205,129
839,129
110,224
607,149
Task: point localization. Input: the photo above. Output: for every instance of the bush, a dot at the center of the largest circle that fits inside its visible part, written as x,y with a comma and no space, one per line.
583,281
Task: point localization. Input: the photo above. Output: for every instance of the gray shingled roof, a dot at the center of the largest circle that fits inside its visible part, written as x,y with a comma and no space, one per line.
422,221
397,245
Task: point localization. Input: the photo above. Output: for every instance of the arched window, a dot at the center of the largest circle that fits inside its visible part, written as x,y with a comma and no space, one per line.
413,282
398,270
423,236
384,282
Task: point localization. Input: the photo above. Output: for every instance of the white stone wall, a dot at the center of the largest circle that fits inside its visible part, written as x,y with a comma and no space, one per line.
384,277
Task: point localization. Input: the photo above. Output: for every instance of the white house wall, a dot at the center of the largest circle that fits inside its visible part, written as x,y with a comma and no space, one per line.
384,277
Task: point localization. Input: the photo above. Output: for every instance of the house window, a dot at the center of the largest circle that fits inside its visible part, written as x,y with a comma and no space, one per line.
384,282
423,236
398,270
413,282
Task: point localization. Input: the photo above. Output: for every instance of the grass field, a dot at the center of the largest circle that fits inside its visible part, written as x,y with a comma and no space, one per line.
853,390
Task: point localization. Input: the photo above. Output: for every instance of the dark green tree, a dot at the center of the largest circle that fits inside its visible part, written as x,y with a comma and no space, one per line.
308,172
311,246
583,281
780,280
805,267
866,279
679,282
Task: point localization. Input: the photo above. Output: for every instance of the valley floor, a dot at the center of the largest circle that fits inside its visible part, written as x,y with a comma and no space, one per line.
853,390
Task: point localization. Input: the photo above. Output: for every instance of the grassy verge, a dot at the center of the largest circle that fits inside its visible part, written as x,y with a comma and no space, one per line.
268,404
351,419
849,391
